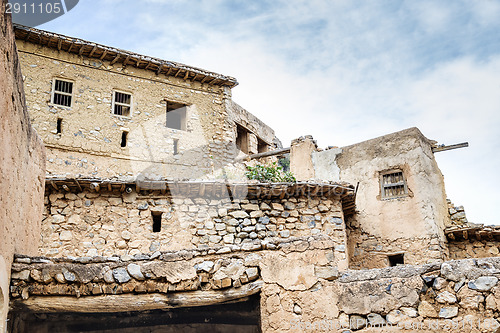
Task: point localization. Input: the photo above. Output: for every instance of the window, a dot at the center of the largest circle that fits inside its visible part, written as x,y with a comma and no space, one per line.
242,138
176,146
176,115
396,259
156,221
59,126
262,146
393,184
62,92
123,143
122,103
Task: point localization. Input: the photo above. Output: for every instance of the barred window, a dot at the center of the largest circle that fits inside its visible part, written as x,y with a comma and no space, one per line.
393,184
122,103
62,92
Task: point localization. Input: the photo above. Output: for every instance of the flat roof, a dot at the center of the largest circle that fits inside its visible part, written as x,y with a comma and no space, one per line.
114,55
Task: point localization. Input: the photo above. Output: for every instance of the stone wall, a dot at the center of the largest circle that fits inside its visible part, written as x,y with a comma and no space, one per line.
474,248
90,138
22,166
91,223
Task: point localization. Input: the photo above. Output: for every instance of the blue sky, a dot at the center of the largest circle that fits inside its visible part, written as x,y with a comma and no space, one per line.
343,71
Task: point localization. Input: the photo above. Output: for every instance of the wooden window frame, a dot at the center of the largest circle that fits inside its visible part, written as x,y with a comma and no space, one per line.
114,102
384,186
54,92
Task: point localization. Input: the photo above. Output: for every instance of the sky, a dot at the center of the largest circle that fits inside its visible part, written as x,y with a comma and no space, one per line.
343,71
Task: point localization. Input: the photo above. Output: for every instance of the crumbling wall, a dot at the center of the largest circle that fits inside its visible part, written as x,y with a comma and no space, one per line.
104,223
474,248
91,135
22,166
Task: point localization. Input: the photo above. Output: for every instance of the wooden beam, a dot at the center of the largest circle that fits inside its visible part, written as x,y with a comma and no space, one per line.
465,234
70,47
78,185
54,185
93,50
80,52
186,76
266,154
148,64
160,67
59,44
103,55
178,72
450,147
451,236
115,59
126,60
133,302
168,72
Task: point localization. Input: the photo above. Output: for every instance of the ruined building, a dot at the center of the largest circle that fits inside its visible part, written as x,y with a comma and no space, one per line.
149,224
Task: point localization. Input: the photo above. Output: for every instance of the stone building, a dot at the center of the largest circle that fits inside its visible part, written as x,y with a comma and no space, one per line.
104,112
148,227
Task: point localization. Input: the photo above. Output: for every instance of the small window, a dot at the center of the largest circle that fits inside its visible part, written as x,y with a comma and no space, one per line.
262,146
156,221
59,126
242,138
396,259
62,92
122,103
176,146
393,184
176,115
123,142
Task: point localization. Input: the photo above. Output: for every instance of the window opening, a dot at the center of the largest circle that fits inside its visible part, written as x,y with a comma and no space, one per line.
262,146
62,92
393,184
176,146
123,143
59,126
156,221
176,115
396,259
122,103
242,138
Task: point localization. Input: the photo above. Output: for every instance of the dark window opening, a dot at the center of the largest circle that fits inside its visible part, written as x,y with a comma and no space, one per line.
242,138
262,146
123,143
156,221
59,126
393,184
396,259
176,146
62,93
176,115
122,103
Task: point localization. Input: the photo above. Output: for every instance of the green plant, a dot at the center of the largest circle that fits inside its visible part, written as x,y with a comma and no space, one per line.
269,174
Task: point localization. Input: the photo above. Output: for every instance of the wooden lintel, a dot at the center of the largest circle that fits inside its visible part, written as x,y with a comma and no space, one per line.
115,59
104,53
59,44
93,50
133,302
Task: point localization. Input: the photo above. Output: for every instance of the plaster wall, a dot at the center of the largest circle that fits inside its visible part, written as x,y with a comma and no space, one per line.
409,223
22,166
